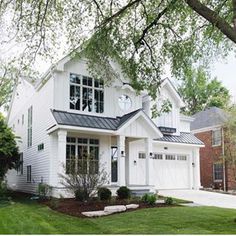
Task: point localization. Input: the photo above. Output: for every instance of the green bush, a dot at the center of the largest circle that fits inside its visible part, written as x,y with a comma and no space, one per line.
123,192
54,203
81,195
169,201
3,190
150,199
44,190
104,194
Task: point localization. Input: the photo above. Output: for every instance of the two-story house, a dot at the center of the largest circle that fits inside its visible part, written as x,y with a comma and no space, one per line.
216,172
68,115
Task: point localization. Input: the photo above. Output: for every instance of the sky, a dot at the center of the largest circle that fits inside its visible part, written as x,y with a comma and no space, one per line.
225,70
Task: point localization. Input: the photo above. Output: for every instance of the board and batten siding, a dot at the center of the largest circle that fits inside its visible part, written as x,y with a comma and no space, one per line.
112,92
42,102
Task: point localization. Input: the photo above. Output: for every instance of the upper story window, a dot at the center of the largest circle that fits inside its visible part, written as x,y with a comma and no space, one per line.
29,128
86,94
216,137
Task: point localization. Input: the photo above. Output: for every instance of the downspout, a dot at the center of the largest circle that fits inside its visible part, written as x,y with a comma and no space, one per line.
223,155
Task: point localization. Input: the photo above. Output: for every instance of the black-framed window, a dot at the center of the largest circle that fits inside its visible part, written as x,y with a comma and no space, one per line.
29,172
86,94
41,147
218,171
141,155
29,128
82,155
20,165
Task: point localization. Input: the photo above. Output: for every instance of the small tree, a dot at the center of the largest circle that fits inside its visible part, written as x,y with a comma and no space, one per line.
85,180
230,141
9,156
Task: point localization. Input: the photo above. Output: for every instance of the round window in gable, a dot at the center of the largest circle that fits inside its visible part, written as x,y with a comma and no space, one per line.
125,102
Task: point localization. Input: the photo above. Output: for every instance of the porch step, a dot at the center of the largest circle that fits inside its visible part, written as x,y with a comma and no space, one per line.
141,192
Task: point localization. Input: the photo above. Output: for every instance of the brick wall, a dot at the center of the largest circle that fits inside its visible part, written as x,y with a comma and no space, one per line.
208,155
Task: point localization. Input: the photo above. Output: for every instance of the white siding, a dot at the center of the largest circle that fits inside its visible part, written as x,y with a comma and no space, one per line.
42,102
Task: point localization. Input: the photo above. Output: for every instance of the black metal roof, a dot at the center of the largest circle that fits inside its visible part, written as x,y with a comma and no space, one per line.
89,121
186,138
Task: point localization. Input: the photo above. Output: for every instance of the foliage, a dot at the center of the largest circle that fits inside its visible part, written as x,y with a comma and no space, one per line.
104,194
54,203
3,190
169,201
142,36
229,131
150,199
84,183
9,156
44,190
123,192
199,92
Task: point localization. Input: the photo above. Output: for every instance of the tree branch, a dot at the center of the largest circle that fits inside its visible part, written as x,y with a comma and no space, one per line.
213,18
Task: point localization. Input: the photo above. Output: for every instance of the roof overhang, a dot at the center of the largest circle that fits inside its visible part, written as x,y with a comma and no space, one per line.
178,144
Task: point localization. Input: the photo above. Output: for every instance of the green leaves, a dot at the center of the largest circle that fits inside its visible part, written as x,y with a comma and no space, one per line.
199,91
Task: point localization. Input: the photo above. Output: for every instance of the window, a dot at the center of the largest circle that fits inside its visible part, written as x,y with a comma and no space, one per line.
218,171
86,94
170,157
157,156
216,137
40,146
124,102
82,155
22,121
29,129
20,165
142,155
181,157
28,174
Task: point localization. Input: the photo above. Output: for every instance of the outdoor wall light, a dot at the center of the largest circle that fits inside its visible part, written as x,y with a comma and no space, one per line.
150,153
165,148
122,153
193,164
135,162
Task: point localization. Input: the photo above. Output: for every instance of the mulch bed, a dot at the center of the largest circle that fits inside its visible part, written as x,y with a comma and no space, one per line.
75,208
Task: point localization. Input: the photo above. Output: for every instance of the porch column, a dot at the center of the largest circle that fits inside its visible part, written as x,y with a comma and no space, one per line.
61,155
121,160
148,151
196,170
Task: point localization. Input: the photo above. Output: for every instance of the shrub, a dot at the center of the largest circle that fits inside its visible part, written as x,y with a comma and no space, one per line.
123,192
150,199
44,190
54,203
104,194
169,201
3,190
81,195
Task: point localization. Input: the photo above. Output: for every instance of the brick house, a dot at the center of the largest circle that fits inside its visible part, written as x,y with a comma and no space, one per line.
214,171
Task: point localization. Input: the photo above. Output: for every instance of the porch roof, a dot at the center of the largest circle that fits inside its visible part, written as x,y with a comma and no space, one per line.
184,137
90,121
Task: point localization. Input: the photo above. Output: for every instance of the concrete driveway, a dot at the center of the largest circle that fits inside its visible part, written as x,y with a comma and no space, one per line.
203,197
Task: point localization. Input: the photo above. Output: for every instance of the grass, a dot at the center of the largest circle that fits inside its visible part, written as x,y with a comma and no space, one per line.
25,217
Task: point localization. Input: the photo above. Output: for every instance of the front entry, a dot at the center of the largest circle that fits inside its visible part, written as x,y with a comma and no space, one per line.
114,166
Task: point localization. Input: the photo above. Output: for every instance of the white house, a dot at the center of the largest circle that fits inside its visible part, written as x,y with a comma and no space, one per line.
69,114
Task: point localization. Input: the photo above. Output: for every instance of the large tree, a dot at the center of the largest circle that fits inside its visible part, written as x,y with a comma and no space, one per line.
9,156
199,92
142,35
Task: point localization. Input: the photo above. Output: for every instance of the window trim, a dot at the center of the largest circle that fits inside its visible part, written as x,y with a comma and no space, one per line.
218,180
81,86
212,137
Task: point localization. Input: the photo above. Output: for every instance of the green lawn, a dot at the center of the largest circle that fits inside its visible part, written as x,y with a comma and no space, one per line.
32,218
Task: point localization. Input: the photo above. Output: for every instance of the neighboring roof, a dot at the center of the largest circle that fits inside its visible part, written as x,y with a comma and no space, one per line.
184,137
212,116
89,121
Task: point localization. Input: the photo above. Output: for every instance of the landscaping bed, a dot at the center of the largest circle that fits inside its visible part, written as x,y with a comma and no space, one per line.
71,206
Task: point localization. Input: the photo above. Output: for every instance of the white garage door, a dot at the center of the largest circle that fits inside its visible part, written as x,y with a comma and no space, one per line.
171,171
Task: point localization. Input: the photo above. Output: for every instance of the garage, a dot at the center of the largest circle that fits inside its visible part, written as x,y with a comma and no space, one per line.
171,171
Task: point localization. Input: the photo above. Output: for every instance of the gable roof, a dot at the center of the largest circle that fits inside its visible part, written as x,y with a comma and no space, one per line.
210,117
186,138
